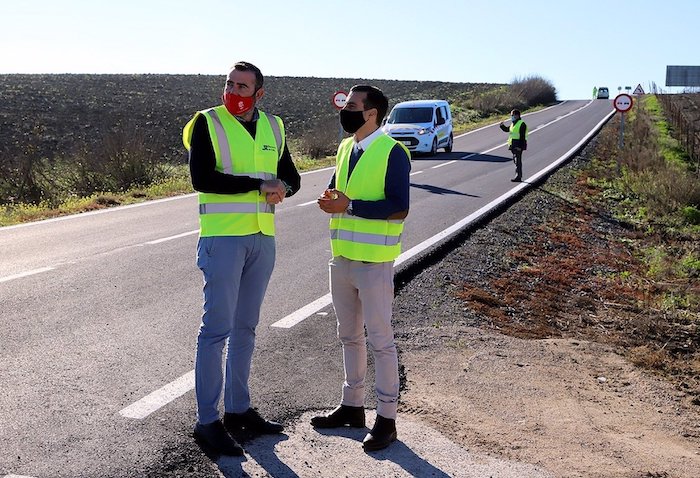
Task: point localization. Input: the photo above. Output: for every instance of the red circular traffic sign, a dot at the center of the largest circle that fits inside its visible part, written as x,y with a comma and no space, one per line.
339,98
623,102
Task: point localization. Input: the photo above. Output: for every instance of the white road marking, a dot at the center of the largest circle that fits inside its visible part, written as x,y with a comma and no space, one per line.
177,236
444,164
161,397
484,152
18,476
530,132
309,309
26,273
496,124
128,206
99,211
307,203
417,172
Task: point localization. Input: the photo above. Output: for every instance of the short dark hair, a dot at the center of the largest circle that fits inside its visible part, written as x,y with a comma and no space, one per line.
375,99
515,112
246,66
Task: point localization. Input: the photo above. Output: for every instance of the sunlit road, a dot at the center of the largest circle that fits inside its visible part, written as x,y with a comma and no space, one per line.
98,311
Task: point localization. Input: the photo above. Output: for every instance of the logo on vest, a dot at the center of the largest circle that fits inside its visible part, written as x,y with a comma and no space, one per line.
267,147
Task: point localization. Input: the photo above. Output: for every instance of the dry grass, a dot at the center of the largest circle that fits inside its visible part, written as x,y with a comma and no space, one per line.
589,274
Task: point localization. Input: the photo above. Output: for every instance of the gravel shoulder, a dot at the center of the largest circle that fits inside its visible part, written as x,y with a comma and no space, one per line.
544,380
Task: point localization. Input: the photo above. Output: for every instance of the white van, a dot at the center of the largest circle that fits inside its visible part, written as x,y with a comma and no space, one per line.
423,126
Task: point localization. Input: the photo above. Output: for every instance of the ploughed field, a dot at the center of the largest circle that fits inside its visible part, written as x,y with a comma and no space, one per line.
64,114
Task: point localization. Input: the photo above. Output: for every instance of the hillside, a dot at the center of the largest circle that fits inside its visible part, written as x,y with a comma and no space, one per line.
64,114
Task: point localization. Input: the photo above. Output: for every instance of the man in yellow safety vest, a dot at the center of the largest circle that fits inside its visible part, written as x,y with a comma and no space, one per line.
517,141
241,167
368,199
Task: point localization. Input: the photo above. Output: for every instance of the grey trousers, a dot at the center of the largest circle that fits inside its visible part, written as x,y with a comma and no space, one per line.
518,160
236,272
362,296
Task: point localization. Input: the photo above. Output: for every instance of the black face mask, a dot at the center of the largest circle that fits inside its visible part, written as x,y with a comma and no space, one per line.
351,121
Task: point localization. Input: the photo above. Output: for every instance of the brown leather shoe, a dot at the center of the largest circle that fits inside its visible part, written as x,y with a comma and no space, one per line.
381,435
342,416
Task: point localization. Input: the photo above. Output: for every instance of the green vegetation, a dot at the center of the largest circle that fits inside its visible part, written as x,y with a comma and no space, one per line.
652,185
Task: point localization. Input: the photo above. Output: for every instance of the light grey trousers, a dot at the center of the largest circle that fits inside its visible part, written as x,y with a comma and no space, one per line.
362,296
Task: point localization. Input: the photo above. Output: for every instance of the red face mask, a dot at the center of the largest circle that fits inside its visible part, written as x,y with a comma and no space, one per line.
236,104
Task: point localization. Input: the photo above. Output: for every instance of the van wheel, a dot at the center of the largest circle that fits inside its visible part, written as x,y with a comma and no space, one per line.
448,147
433,149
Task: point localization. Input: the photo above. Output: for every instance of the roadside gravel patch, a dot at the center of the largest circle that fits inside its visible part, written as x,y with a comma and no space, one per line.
543,395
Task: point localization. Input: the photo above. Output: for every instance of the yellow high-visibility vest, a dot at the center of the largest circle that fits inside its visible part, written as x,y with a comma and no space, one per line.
238,153
514,132
357,238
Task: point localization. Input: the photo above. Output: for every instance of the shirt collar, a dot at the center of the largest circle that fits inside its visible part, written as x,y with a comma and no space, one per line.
364,144
255,117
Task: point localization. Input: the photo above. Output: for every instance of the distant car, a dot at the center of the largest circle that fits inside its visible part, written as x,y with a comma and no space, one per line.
603,93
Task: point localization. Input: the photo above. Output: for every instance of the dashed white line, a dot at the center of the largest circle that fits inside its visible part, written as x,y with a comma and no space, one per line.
161,397
307,203
177,236
417,172
26,273
444,164
297,316
18,476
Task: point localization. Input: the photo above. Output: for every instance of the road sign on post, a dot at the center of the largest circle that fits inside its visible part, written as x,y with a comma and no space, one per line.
638,90
338,101
622,103
339,98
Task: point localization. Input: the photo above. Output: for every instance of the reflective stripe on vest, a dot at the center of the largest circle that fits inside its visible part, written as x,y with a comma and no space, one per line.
354,237
237,153
241,207
365,237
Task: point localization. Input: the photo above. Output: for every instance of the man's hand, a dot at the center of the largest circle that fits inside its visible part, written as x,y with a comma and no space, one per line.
333,201
274,191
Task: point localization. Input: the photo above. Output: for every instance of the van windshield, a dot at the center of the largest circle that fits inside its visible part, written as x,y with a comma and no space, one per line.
411,115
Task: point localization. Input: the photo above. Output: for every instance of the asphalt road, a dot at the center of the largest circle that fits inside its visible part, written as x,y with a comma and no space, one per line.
99,310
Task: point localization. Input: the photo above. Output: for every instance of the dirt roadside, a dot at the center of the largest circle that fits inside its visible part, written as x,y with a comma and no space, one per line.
502,369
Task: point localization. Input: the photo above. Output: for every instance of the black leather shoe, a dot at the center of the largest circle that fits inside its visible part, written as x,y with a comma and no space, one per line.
251,422
516,179
215,436
344,415
381,435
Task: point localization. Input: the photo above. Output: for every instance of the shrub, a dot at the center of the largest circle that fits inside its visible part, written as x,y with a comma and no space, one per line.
534,90
321,139
691,215
497,101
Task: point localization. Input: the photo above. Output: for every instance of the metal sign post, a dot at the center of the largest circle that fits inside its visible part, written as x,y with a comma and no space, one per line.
338,100
622,131
622,103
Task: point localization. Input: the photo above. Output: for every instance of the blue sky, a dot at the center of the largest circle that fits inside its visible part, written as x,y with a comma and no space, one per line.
574,44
